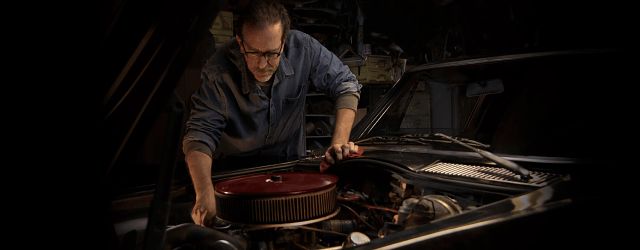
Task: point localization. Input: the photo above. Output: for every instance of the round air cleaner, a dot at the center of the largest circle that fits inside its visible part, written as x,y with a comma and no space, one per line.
277,199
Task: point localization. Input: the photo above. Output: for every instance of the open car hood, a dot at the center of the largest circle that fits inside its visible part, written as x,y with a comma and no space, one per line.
537,104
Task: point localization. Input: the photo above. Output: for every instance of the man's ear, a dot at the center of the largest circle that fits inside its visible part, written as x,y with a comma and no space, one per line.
239,41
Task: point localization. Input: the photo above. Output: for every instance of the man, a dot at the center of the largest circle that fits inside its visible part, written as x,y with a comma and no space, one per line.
250,107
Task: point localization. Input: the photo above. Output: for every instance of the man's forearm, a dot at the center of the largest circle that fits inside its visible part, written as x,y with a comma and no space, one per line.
342,129
200,169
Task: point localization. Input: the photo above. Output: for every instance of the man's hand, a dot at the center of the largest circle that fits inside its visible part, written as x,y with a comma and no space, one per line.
338,152
204,210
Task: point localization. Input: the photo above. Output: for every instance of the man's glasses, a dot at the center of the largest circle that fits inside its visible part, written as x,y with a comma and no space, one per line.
270,56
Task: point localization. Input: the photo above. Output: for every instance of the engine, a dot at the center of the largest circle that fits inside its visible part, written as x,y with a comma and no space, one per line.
315,211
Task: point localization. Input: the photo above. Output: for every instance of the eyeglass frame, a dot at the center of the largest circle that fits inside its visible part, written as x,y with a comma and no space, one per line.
258,54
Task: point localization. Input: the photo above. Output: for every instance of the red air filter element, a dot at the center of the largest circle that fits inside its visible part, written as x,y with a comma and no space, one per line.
276,198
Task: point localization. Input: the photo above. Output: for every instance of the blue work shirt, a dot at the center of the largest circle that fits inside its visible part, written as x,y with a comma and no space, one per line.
236,123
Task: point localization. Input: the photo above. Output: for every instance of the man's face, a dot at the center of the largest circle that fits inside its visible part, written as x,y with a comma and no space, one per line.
261,48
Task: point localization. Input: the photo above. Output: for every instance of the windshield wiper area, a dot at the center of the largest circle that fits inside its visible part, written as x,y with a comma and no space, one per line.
394,140
523,173
416,139
429,138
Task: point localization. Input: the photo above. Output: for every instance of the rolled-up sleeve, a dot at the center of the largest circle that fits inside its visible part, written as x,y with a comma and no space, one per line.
347,101
329,74
207,121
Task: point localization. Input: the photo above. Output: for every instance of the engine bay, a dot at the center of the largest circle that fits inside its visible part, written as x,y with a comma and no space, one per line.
366,209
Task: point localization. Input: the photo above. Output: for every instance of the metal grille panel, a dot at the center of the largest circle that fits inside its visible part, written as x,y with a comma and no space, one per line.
488,173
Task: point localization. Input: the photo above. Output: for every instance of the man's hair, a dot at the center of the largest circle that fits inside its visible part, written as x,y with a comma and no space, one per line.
260,13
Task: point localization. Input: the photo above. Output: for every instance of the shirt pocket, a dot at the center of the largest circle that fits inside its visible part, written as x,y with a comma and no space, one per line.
294,96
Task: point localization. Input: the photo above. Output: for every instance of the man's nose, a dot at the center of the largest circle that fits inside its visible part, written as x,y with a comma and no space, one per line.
262,62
